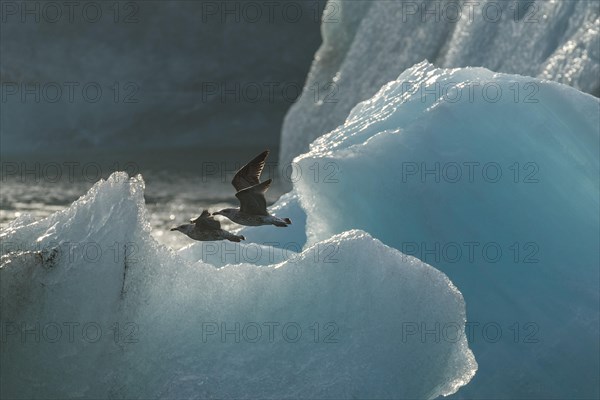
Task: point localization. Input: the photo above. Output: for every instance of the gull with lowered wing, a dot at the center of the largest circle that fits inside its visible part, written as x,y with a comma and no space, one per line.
206,228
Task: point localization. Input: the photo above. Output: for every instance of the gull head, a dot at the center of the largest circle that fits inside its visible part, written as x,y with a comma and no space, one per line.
182,228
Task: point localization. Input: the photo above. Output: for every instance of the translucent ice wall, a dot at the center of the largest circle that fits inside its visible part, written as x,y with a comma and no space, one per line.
492,178
369,43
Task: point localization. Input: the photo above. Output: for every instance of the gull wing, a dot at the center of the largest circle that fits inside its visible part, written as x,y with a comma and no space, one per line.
206,222
249,174
252,199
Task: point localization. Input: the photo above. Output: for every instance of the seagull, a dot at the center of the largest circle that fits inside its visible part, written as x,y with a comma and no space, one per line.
251,194
206,228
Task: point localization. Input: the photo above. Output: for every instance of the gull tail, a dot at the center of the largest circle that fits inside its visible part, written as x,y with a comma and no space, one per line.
283,222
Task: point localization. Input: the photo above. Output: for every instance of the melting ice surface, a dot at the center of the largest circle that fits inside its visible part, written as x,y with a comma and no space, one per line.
93,307
499,192
369,43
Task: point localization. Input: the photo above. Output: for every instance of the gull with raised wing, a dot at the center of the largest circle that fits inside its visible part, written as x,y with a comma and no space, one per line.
251,194
206,228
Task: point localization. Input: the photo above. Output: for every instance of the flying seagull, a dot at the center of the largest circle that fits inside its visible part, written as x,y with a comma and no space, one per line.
206,228
251,194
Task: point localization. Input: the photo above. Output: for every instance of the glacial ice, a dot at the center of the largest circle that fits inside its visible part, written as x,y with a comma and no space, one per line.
500,191
369,43
93,307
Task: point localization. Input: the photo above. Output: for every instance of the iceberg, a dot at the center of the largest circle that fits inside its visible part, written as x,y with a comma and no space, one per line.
493,179
369,43
93,307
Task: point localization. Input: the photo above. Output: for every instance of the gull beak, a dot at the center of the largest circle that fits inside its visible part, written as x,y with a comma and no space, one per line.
216,213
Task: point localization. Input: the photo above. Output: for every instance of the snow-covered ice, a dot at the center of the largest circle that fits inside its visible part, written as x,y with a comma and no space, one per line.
93,307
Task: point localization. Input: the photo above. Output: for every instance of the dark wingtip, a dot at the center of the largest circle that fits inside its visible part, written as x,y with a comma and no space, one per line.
262,156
